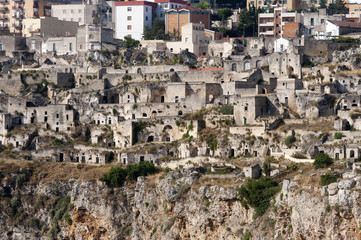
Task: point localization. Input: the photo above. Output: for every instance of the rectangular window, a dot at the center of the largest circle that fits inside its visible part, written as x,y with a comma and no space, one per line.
72,11
129,18
146,18
129,9
57,115
129,27
70,47
64,11
146,9
312,21
79,11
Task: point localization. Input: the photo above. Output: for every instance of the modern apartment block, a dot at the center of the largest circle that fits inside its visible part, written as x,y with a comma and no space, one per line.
291,5
12,13
272,24
132,17
81,13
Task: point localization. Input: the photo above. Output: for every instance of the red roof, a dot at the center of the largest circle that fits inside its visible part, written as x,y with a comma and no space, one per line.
346,24
134,3
171,1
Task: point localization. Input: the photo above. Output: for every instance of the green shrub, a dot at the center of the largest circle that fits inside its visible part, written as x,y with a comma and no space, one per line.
143,168
20,179
299,155
115,177
56,142
247,236
322,160
34,223
226,109
338,135
14,205
258,193
290,140
62,207
327,178
134,106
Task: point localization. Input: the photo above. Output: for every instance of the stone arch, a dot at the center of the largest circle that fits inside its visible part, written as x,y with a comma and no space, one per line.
171,70
234,67
139,71
258,64
180,113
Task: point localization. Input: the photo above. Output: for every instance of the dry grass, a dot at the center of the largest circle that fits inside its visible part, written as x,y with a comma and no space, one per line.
322,127
350,72
51,171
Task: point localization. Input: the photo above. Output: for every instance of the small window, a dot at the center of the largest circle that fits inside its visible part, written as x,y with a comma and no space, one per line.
72,11
57,115
129,27
146,18
129,18
64,11
129,9
79,11
146,9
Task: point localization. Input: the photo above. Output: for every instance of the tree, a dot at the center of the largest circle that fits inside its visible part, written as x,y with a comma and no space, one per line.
157,31
203,5
248,21
322,160
266,169
290,140
322,4
339,7
130,42
225,13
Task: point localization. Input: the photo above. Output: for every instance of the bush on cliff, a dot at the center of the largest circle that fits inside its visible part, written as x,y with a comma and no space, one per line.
258,193
117,175
322,160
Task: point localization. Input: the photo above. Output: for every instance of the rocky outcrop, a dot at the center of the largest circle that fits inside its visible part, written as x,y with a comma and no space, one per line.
177,206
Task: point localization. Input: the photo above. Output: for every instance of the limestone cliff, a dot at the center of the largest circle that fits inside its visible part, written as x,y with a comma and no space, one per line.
174,205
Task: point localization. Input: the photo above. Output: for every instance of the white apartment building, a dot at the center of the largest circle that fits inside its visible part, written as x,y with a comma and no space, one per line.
132,17
81,13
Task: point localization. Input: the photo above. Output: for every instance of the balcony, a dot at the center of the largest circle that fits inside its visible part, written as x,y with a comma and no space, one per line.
267,33
266,24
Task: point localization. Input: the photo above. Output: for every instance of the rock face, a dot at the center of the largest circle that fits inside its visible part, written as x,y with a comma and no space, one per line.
177,206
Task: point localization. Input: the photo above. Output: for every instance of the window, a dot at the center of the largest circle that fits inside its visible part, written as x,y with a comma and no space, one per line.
312,21
90,36
72,11
64,11
79,11
79,19
129,27
70,47
146,9
129,18
129,9
57,115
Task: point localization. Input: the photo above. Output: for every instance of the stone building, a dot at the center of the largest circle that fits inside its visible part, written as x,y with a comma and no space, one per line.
58,117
